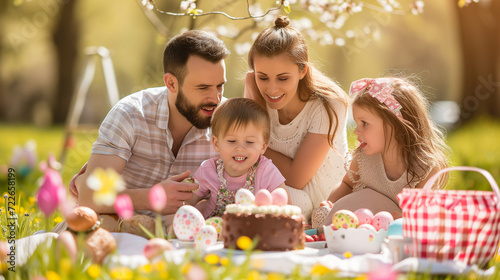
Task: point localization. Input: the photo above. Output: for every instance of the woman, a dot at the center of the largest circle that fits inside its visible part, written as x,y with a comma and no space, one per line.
308,114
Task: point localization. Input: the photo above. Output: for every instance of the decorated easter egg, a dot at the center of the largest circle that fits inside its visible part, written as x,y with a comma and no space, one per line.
396,228
155,247
319,216
216,222
279,197
382,220
345,219
367,227
206,236
263,197
81,219
191,180
326,203
187,222
365,216
244,197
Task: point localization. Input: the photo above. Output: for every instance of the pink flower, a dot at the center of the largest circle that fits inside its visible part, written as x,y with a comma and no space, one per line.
157,198
124,207
51,193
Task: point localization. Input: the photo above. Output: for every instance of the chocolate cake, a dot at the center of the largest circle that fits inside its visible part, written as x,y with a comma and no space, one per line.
278,228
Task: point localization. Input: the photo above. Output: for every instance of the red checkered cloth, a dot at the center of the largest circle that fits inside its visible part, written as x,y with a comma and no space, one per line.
452,225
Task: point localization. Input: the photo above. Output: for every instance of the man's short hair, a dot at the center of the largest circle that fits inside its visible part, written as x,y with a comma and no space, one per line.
192,42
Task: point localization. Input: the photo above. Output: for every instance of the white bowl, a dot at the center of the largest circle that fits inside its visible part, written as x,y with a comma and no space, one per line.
354,240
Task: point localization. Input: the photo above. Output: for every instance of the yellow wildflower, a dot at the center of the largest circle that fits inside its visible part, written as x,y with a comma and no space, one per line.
275,276
94,271
319,269
106,184
253,275
212,259
224,261
58,220
147,268
122,273
186,268
31,199
52,275
160,266
244,242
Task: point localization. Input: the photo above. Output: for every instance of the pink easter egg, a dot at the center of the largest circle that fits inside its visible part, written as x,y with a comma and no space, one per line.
365,216
382,220
367,227
279,197
263,197
155,247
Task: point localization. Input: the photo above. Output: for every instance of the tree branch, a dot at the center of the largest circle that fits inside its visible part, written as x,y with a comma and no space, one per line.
155,21
216,12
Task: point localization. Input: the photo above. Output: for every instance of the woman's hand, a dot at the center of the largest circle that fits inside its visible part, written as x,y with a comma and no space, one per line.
251,90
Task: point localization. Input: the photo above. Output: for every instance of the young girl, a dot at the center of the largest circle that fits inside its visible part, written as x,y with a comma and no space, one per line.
240,134
400,147
308,114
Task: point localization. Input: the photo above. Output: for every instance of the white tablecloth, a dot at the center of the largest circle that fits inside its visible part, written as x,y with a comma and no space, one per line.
130,247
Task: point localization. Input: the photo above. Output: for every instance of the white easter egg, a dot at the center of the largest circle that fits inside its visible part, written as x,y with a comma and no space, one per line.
205,237
216,222
187,222
244,197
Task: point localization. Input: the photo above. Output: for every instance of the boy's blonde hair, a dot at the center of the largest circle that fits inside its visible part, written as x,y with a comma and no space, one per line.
239,112
422,143
284,39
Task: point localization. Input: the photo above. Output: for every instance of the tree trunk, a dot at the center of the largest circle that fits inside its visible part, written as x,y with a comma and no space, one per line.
479,27
3,102
66,35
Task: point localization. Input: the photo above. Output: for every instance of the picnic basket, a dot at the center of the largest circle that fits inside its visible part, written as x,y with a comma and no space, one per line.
457,225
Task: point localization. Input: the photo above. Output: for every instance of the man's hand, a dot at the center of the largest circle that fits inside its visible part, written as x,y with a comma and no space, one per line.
177,192
72,186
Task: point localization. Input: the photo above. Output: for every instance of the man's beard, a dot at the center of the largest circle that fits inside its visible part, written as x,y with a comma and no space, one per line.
191,112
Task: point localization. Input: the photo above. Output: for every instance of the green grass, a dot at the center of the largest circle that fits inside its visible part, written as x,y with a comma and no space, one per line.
475,145
472,145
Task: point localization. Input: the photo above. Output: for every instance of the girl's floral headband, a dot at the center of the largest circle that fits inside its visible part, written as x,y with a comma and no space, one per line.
381,90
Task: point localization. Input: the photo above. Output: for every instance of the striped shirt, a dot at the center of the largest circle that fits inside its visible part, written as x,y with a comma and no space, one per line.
136,129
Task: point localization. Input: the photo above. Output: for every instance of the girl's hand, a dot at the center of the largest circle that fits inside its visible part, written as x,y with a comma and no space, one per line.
251,90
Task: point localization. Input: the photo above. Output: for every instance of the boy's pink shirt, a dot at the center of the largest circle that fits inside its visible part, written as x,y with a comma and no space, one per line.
267,176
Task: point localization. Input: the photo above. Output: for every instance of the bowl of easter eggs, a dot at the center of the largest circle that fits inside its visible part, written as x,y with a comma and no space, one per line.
357,232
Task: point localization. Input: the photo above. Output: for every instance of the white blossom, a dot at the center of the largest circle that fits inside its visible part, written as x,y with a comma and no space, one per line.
340,42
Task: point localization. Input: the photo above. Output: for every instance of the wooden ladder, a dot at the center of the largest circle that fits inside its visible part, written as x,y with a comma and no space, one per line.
79,97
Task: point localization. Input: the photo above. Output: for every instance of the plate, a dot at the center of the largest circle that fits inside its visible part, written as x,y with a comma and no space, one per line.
179,244
316,244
